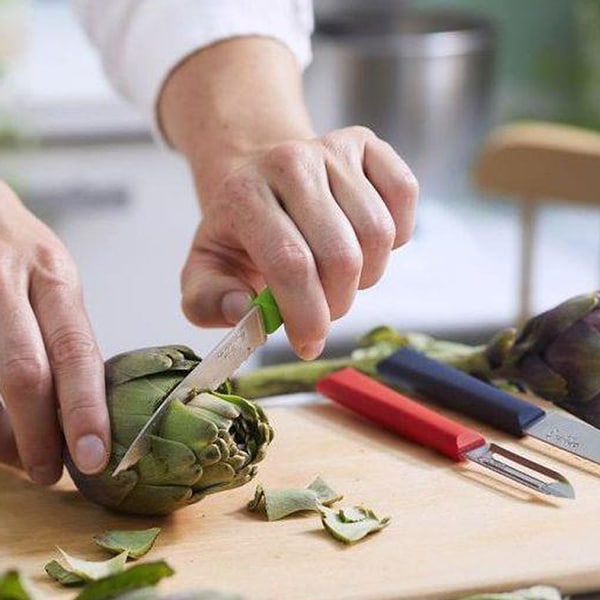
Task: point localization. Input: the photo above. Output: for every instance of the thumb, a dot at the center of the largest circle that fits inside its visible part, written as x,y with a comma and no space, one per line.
212,293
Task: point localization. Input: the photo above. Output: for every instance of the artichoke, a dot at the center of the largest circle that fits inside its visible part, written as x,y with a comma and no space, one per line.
210,444
555,355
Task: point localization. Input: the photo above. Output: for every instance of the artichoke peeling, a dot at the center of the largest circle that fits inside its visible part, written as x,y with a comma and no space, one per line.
210,444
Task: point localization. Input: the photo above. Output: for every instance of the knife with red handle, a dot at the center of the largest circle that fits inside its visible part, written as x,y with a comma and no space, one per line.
398,413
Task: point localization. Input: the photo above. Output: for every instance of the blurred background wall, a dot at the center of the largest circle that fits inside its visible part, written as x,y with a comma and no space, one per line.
431,76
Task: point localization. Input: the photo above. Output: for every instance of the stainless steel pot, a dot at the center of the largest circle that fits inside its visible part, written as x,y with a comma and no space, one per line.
421,80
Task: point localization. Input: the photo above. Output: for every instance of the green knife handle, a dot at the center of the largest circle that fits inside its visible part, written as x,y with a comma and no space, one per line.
270,311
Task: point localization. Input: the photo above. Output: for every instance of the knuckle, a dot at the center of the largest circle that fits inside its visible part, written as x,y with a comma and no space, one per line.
361,132
68,347
292,160
23,372
344,143
336,143
54,267
377,234
344,263
405,188
411,185
291,260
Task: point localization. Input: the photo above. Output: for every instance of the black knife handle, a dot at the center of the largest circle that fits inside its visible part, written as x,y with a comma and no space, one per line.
461,392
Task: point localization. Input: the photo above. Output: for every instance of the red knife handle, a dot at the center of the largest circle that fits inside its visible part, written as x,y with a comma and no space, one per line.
400,414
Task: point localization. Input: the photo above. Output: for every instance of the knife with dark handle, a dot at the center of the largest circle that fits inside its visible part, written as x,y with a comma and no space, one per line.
474,398
396,412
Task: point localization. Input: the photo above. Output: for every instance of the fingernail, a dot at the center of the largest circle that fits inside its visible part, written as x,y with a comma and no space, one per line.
312,350
90,454
235,305
45,474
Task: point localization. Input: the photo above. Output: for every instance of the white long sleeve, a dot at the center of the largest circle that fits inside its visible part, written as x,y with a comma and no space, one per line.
141,41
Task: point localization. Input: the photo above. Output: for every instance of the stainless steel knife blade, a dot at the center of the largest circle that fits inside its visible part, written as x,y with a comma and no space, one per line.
567,433
464,393
223,360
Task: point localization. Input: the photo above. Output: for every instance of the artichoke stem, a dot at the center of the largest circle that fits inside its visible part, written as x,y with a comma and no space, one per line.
293,377
474,362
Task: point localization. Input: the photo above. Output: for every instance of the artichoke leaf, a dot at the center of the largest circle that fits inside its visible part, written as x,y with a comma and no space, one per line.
136,577
104,488
577,354
540,330
209,455
125,427
169,463
147,361
62,575
143,395
278,504
181,424
94,570
351,524
325,494
538,592
281,503
156,499
222,423
15,586
135,542
541,379
217,474
154,594
213,403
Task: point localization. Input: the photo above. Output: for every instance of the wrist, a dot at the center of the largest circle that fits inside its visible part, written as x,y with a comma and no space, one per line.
233,101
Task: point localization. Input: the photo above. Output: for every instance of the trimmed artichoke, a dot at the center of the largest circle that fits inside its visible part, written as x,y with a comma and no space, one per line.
210,444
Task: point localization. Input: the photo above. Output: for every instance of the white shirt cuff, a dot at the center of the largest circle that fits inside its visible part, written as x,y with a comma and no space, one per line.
142,41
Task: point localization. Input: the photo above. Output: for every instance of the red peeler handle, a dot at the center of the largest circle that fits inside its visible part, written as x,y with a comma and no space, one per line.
396,412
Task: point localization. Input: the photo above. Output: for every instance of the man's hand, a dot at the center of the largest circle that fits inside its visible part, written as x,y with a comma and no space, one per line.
49,361
313,218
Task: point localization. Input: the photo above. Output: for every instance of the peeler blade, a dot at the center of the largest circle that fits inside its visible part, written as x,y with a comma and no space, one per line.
490,456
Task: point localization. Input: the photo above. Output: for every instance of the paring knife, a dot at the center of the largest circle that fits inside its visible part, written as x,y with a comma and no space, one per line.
472,397
387,407
221,362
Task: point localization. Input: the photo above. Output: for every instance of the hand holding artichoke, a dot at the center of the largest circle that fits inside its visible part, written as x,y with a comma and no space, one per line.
208,445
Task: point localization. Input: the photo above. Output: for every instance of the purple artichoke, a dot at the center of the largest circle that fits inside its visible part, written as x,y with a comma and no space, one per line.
556,355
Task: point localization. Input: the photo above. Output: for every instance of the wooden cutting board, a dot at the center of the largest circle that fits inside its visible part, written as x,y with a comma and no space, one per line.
453,531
